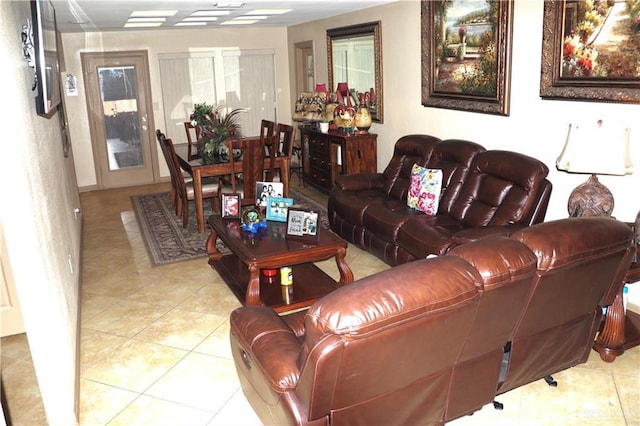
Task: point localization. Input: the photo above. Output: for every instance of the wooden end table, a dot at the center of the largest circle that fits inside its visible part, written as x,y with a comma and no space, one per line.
269,249
620,332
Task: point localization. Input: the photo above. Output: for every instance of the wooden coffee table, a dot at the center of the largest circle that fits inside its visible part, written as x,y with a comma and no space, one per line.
269,249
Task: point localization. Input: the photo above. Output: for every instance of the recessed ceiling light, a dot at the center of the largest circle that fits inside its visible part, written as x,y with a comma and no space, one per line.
210,13
268,11
150,13
251,17
142,24
239,22
155,19
190,24
200,19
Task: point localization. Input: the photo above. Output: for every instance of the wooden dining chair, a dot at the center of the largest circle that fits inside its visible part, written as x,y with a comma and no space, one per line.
254,153
279,155
193,134
211,189
167,158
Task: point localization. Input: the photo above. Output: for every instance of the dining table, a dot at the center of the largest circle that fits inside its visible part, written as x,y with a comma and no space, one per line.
248,159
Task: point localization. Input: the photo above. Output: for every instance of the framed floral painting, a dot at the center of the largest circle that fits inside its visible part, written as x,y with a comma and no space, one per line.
591,50
466,54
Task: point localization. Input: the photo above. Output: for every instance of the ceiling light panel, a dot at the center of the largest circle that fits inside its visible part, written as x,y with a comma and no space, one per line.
190,24
240,22
200,19
142,24
210,13
268,11
152,13
154,19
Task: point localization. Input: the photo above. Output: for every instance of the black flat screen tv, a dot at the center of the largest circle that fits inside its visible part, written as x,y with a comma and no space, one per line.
46,57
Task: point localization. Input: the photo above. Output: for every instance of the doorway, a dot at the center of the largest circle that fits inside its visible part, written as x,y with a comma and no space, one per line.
305,67
119,107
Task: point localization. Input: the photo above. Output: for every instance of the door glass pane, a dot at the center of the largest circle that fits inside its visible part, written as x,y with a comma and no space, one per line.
121,120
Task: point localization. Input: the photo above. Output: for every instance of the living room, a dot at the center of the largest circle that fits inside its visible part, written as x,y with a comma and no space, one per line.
45,182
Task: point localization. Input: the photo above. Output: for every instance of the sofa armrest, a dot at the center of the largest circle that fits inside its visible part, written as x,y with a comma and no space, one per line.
266,344
360,181
477,233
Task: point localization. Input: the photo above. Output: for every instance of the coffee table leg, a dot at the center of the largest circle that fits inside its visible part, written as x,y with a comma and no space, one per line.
346,275
212,250
252,297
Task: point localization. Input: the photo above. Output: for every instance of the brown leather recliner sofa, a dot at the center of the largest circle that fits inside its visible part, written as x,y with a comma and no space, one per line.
435,339
484,192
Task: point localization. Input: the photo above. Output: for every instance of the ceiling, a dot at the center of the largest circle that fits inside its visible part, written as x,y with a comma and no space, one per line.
111,15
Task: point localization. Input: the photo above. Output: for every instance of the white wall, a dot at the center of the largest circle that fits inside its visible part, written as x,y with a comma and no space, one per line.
39,194
155,42
535,127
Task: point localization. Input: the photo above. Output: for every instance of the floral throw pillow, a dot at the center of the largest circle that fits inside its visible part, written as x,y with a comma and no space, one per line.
424,191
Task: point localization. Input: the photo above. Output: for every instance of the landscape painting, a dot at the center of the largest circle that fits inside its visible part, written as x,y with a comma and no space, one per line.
601,39
591,50
466,50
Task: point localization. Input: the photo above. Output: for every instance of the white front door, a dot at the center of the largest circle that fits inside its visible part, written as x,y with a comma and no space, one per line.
119,105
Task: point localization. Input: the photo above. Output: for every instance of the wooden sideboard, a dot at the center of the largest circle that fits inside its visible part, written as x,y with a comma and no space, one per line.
327,155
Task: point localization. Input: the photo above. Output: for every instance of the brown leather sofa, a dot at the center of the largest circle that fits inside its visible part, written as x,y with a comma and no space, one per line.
483,193
435,339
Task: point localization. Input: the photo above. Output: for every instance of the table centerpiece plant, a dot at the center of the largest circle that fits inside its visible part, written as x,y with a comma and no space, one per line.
215,127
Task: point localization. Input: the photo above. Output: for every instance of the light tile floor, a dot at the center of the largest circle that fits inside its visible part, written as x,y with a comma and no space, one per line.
155,349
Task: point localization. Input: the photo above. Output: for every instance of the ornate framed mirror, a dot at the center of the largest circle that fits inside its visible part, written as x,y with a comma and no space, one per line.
355,57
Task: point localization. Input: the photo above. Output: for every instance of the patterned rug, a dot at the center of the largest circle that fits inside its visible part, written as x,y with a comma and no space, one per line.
166,240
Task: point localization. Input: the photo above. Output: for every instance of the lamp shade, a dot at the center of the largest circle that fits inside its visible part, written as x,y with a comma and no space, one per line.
596,150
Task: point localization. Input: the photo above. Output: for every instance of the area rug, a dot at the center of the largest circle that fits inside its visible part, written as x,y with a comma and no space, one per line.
166,240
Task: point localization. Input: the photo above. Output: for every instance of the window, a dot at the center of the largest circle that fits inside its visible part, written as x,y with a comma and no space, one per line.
235,78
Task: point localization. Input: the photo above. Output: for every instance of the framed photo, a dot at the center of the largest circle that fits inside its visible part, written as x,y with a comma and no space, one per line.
589,51
466,55
230,206
302,224
277,208
267,189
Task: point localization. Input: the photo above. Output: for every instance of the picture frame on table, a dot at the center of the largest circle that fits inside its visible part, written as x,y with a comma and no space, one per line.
277,208
267,189
230,206
466,57
302,225
582,59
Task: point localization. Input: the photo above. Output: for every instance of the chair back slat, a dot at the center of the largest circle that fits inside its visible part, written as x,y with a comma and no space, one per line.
193,134
267,139
284,138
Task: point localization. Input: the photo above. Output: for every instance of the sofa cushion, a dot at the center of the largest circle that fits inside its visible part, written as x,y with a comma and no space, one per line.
453,157
424,191
423,237
409,150
500,189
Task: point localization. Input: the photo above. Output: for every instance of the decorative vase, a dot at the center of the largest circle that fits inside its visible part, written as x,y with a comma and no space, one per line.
211,149
344,118
363,115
